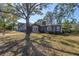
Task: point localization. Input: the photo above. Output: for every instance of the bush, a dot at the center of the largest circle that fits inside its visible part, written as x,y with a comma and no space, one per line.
51,32
8,27
42,32
65,30
57,33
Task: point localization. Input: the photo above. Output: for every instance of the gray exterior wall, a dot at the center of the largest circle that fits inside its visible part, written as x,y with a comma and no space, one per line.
40,29
21,27
43,29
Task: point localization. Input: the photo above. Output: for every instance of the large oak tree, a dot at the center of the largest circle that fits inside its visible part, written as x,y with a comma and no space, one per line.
25,11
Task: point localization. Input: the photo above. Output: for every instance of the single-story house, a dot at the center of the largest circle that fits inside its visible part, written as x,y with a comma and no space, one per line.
35,28
41,26
46,28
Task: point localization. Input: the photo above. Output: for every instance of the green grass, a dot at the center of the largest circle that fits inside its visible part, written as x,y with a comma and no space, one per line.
65,43
73,41
50,44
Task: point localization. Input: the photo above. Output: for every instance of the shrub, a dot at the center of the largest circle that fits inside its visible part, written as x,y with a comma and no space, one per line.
50,32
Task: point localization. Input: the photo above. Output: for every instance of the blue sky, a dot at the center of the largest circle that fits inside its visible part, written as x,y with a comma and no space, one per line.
77,14
34,18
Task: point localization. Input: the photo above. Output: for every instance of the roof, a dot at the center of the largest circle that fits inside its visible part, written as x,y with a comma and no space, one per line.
23,23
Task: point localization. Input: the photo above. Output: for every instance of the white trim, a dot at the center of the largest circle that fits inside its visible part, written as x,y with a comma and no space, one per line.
49,28
35,29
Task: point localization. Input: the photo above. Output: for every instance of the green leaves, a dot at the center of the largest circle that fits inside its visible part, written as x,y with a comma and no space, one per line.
74,21
49,17
64,10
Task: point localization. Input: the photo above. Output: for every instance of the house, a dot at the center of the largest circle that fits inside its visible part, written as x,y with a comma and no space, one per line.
41,27
21,27
46,28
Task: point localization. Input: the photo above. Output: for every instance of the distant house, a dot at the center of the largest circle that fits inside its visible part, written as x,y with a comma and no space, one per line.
41,27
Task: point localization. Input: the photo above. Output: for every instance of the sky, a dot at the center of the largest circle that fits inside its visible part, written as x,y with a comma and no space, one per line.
77,14
34,18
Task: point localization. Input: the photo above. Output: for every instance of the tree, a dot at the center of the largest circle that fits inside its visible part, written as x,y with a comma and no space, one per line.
7,19
66,25
74,25
7,22
3,24
73,21
12,21
25,11
38,21
64,11
49,17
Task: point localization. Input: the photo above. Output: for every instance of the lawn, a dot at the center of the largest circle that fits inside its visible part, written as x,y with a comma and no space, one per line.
60,45
9,43
44,44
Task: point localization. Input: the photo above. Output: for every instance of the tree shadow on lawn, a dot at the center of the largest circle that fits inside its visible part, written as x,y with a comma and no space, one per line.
6,47
12,46
36,52
70,43
73,41
44,43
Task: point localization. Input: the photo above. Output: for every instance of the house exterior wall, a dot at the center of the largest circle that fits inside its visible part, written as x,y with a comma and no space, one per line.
42,28
35,29
49,28
58,29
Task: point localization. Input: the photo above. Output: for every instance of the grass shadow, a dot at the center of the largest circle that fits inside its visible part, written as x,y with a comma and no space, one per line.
8,46
73,41
35,51
44,43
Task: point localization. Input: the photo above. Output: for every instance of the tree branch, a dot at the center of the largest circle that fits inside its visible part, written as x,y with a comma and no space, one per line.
12,13
17,9
34,6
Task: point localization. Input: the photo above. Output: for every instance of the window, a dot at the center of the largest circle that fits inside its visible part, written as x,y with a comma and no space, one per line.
57,28
35,29
49,28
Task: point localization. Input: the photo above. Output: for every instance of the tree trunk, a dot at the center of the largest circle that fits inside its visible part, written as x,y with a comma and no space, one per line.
4,29
27,48
12,25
